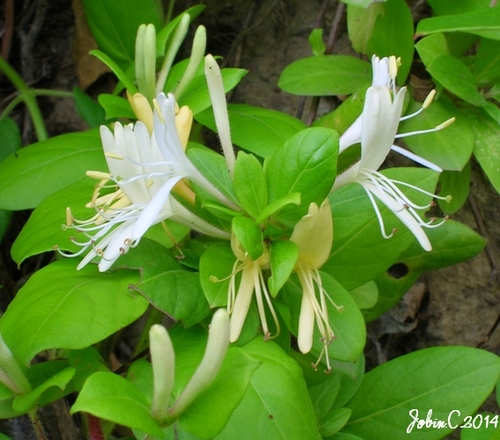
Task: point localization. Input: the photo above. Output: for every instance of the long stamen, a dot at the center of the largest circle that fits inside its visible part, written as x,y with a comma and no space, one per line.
430,130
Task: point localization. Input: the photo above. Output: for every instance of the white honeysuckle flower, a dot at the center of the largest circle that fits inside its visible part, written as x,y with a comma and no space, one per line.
141,176
252,280
313,235
376,129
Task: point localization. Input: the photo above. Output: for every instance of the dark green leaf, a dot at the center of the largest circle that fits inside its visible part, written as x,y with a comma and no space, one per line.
115,107
88,109
11,137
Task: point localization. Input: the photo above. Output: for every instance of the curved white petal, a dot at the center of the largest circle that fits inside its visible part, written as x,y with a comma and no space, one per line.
119,244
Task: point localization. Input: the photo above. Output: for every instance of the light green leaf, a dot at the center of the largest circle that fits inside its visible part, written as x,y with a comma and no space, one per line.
456,77
439,378
115,106
316,42
360,23
430,47
283,256
360,3
276,405
324,394
249,235
325,75
449,148
250,184
455,8
88,305
366,296
482,22
41,169
28,401
272,208
258,130
166,284
111,397
334,421
120,74
306,164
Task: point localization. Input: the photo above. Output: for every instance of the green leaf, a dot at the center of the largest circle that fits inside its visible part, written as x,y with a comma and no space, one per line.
284,255
430,47
452,8
307,164
29,401
487,146
88,305
91,112
324,394
325,75
196,95
258,130
456,184
334,421
316,41
487,67
393,35
115,106
272,208
361,20
120,74
216,266
482,22
360,3
43,168
456,77
250,184
366,296
11,138
214,167
166,284
449,148
44,230
114,25
249,235
348,325
4,221
439,378
111,397
276,405
211,410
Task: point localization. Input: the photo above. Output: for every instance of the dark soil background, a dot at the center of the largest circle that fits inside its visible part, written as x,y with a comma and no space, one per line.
41,40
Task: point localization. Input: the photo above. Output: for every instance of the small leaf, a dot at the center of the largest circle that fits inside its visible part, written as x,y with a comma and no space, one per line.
216,266
28,401
284,255
325,75
120,74
334,421
316,42
456,184
250,184
111,397
115,107
249,235
272,208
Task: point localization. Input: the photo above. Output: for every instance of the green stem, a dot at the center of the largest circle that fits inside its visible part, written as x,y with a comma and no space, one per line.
37,425
28,96
170,10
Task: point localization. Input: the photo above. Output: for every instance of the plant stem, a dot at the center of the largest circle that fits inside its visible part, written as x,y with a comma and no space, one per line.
37,425
28,96
94,428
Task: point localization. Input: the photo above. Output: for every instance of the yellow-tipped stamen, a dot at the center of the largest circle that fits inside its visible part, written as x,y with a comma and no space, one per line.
430,130
98,175
69,217
429,99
